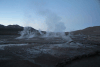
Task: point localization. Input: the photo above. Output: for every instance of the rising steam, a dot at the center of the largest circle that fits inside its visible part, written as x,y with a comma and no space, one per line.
55,27
53,21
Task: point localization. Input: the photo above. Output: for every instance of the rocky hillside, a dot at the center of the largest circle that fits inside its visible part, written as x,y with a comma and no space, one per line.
90,35
14,30
89,31
10,29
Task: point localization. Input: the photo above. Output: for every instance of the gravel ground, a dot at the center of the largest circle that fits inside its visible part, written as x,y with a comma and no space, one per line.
44,52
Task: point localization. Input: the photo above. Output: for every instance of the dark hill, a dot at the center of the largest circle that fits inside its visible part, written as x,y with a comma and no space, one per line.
14,30
11,29
89,31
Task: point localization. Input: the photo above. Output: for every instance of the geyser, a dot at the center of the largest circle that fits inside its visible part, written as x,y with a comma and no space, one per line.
55,27
29,32
54,23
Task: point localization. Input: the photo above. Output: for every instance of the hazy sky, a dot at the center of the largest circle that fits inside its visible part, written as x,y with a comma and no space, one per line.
73,14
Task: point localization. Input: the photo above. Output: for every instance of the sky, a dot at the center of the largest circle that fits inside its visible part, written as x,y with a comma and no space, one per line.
51,15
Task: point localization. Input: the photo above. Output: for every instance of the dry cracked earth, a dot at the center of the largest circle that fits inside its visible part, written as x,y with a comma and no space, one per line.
47,52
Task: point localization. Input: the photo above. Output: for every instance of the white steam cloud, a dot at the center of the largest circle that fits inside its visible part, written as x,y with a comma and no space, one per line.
55,28
53,21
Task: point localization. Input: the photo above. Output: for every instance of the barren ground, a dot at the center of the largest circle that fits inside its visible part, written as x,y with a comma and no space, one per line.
47,52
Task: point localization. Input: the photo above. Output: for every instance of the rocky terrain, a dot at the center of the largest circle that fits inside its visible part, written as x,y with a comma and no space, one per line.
13,29
88,31
10,29
48,52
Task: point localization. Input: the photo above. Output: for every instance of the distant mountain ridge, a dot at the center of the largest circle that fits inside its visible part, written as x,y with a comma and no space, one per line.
14,30
11,29
95,30
10,26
